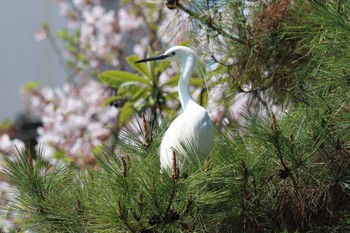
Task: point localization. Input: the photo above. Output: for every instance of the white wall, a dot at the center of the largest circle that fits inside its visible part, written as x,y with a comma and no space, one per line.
22,59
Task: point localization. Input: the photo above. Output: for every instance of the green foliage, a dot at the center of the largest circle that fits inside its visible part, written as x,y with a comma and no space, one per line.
131,87
30,86
5,124
36,184
251,50
285,173
270,175
144,90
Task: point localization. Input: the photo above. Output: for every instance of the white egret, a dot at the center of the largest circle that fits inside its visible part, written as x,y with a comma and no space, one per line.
193,128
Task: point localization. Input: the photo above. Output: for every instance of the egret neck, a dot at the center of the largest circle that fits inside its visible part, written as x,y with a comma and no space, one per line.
193,129
187,65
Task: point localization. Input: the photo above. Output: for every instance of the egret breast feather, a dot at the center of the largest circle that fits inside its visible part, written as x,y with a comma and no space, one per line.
193,129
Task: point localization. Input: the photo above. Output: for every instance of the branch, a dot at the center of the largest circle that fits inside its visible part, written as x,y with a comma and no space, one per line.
277,144
172,196
210,25
123,219
56,50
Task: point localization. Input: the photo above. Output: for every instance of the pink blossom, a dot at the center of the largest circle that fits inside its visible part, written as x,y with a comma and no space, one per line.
74,122
128,21
63,7
141,49
47,94
41,34
5,143
79,3
98,35
8,146
73,23
104,33
115,61
115,39
94,63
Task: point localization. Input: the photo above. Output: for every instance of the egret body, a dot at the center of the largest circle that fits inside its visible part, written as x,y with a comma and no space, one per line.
193,129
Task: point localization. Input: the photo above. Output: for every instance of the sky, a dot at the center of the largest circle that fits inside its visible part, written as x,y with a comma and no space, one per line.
22,58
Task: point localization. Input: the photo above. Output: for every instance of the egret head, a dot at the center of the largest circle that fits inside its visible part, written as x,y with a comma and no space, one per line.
176,53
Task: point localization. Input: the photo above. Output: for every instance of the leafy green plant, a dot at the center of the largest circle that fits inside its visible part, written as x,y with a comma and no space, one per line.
144,90
287,173
274,175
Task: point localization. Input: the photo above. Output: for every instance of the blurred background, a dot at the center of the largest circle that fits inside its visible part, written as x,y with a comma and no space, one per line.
71,89
22,58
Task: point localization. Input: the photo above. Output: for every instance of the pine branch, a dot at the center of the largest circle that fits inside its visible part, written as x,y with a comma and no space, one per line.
123,218
276,138
175,177
205,21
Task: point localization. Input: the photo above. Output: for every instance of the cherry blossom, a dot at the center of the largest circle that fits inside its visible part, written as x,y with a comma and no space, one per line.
74,121
41,34
8,146
98,38
129,21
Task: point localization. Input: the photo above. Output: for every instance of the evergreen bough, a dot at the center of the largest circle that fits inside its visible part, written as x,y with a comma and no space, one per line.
287,173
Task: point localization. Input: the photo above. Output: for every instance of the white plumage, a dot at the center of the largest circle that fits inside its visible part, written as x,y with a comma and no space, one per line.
193,129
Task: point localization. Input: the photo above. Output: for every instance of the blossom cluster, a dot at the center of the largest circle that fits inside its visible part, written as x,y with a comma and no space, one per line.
6,217
74,121
102,34
98,35
99,38
8,147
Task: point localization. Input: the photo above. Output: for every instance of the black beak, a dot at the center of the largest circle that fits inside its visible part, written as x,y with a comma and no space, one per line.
160,57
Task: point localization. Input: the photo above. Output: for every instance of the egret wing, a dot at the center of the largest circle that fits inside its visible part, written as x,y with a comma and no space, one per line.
191,132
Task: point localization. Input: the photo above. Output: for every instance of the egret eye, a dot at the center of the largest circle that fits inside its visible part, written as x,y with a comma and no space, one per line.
193,129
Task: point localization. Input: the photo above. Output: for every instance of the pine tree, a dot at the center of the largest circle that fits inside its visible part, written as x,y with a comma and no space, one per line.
274,173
